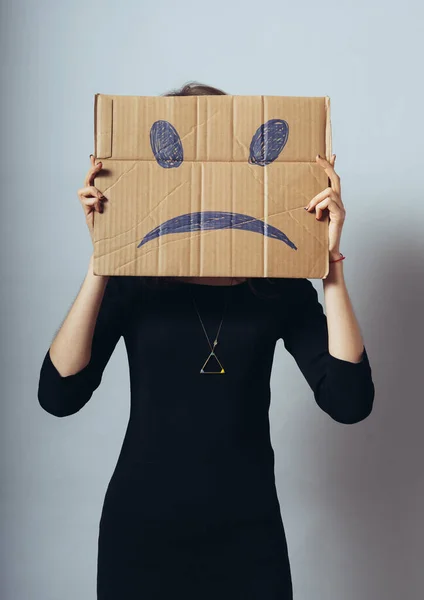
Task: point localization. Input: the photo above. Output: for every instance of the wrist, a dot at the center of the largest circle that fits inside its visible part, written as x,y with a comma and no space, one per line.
90,272
335,254
91,265
335,269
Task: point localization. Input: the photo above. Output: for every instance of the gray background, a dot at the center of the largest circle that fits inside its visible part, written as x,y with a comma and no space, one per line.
351,495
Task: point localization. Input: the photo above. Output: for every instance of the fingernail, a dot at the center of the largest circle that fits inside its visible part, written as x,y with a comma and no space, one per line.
319,156
306,208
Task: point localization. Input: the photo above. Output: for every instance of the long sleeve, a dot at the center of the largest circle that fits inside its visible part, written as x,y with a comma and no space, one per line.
344,390
64,396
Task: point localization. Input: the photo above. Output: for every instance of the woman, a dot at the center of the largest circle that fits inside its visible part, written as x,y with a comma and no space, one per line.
191,510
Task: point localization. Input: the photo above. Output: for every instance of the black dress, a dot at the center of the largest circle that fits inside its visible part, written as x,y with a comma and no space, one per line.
191,510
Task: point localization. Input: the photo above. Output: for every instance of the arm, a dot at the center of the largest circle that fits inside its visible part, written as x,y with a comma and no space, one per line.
330,354
344,336
73,365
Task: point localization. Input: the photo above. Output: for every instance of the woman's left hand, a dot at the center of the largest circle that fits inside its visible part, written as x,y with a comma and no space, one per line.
330,199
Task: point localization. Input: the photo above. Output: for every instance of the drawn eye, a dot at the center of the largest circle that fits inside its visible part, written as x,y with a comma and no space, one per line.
166,145
268,142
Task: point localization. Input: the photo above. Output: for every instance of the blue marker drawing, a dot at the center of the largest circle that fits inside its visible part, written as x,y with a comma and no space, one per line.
268,142
209,220
166,145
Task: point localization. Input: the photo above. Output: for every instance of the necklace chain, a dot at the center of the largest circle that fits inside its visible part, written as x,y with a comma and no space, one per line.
219,328
212,346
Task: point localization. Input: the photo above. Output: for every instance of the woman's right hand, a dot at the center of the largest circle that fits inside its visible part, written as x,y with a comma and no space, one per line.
90,197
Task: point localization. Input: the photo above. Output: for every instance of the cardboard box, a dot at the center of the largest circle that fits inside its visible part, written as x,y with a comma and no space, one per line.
211,186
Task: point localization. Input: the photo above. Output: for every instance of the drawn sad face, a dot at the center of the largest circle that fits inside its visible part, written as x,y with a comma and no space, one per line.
267,144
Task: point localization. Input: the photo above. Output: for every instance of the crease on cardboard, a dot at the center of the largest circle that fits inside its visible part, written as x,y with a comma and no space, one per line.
283,212
312,172
192,235
96,101
232,244
195,235
266,218
104,126
158,205
202,197
112,251
262,182
328,136
232,127
169,242
111,237
168,194
203,232
305,227
291,189
198,125
120,177
256,175
149,215
294,191
314,266
196,153
111,127
243,146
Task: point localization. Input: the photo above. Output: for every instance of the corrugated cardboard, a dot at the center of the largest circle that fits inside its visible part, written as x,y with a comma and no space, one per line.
228,169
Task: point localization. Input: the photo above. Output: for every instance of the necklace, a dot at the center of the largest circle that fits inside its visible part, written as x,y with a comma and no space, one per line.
212,358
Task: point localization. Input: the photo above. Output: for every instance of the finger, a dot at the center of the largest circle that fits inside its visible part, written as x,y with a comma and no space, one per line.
320,208
321,196
92,173
90,191
336,212
92,204
329,169
91,197
331,173
327,193
93,164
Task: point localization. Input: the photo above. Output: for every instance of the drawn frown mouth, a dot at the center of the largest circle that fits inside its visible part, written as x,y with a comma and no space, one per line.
267,144
210,220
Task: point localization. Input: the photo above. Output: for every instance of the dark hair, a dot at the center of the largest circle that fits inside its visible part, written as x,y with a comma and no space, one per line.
195,88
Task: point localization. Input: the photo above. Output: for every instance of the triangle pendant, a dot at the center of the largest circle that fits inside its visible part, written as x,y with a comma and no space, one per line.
212,365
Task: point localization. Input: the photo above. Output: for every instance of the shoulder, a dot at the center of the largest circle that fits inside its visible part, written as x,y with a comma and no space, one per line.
298,290
288,296
125,288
